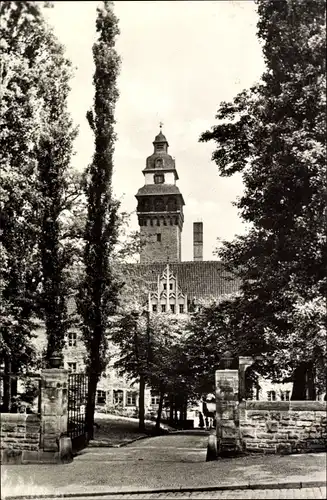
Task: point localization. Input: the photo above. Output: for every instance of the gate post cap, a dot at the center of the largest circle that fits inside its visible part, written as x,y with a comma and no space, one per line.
56,360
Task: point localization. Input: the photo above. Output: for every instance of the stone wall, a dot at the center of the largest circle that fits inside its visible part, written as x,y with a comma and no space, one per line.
19,437
283,426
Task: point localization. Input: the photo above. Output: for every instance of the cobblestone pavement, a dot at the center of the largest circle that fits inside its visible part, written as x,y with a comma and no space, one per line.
272,494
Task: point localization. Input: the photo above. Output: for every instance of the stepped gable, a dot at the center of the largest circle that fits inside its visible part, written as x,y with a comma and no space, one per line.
197,279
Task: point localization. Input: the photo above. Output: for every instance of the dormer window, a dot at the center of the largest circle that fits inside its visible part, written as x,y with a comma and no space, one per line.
159,179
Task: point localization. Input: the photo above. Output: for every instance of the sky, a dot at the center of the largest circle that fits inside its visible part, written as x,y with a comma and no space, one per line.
180,59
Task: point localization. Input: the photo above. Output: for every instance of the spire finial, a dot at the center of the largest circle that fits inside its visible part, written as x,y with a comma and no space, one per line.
160,125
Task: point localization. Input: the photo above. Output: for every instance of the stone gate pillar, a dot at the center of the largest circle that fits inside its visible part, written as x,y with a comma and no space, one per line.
54,412
227,386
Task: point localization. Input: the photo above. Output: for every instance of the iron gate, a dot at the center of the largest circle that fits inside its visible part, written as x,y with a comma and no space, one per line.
77,399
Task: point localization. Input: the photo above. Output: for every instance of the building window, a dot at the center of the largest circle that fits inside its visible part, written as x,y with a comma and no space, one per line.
146,205
285,395
155,398
159,178
159,204
172,308
159,237
170,286
101,397
118,397
163,308
71,367
181,308
72,339
154,308
271,395
165,286
172,206
131,399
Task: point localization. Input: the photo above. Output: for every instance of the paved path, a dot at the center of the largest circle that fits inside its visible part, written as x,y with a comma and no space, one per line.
171,461
272,494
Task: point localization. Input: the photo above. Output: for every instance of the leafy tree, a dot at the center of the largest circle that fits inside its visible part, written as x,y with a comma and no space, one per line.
131,334
20,271
37,186
99,289
168,365
274,134
53,156
151,352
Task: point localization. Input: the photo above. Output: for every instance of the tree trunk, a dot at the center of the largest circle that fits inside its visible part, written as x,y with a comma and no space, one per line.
141,404
161,400
90,406
171,409
303,382
6,388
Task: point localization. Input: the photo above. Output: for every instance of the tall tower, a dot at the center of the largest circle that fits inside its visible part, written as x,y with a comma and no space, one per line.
160,207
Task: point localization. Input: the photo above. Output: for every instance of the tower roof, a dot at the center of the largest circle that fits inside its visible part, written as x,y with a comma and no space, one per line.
160,138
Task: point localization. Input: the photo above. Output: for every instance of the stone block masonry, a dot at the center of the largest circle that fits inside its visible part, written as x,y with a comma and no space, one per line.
283,426
19,435
39,438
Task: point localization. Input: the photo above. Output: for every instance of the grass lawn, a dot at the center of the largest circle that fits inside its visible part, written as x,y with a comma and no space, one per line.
114,430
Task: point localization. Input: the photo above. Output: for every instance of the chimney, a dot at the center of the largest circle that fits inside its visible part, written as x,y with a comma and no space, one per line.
197,241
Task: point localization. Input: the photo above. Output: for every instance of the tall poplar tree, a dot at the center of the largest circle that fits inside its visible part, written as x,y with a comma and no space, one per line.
99,289
54,173
38,187
274,134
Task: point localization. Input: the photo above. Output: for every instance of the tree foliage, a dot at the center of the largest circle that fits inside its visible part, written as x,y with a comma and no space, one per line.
99,288
152,351
36,144
274,134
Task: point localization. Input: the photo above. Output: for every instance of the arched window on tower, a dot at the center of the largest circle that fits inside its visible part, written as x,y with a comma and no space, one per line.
159,162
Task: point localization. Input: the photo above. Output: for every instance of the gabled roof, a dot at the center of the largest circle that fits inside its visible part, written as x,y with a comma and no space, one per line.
198,279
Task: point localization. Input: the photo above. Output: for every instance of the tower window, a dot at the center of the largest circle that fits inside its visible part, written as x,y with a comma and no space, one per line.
170,286
159,179
159,204
172,206
159,147
165,286
159,237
